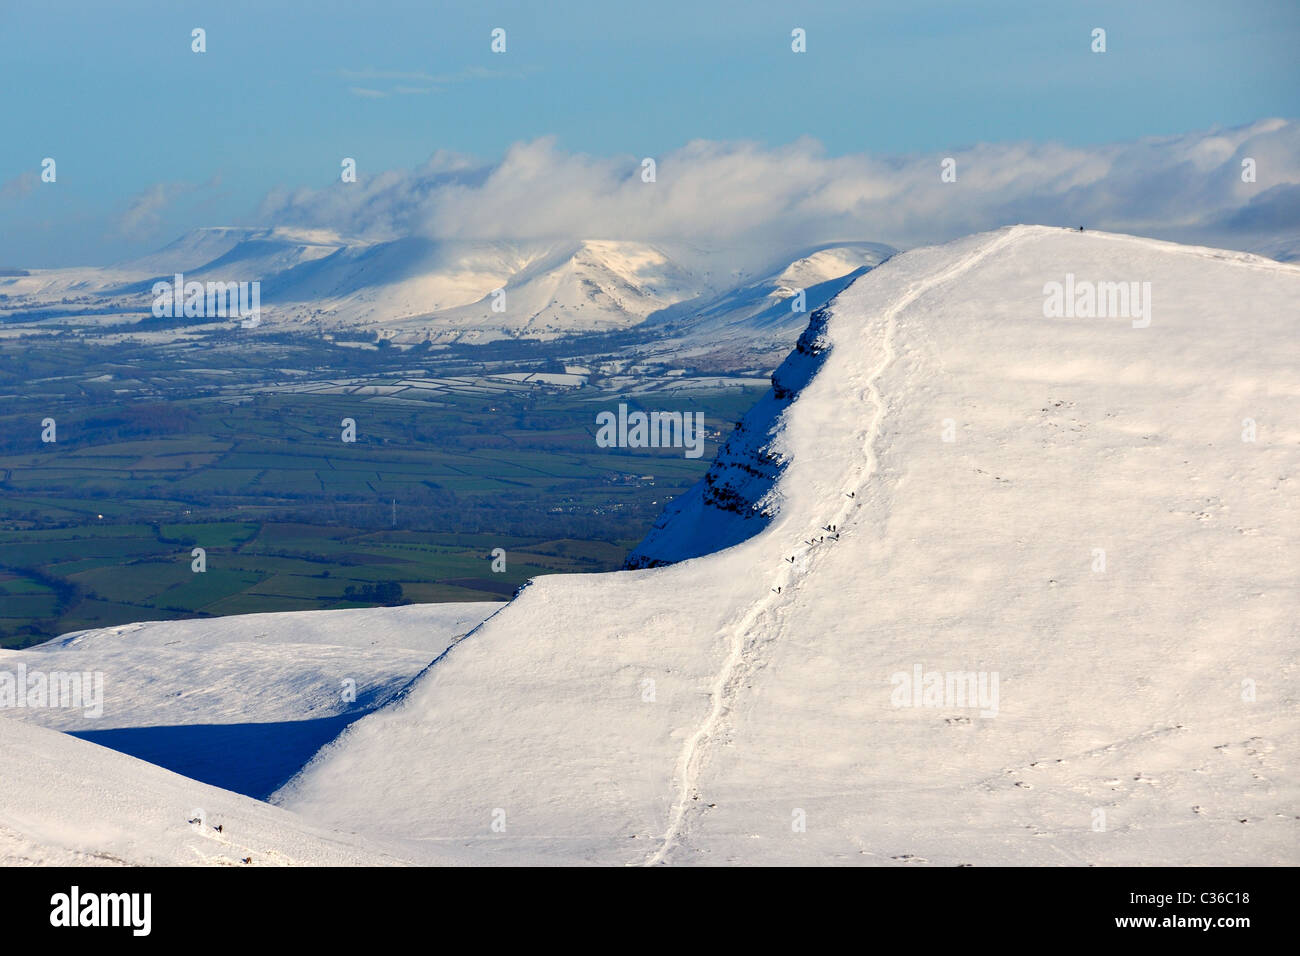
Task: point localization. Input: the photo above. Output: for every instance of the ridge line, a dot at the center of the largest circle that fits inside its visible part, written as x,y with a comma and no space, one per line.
741,660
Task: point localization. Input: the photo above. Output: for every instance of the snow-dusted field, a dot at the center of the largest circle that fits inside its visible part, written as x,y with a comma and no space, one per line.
1064,509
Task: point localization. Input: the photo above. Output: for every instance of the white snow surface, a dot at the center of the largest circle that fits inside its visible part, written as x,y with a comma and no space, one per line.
238,702
65,802
696,713
280,666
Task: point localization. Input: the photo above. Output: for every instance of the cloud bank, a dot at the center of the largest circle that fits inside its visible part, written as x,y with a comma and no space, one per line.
1187,187
146,210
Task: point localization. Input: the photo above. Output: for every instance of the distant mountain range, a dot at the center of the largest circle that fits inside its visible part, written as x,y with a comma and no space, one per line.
415,289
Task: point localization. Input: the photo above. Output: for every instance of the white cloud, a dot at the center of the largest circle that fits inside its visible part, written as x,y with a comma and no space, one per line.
1185,187
144,212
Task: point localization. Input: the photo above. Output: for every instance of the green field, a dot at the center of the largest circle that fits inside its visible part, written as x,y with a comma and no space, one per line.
97,528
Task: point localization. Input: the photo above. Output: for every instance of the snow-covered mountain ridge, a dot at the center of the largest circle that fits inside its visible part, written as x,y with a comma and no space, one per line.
414,289
1063,509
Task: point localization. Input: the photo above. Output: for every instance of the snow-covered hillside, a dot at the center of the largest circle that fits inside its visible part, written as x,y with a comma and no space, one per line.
241,702
1068,510
65,802
760,320
246,253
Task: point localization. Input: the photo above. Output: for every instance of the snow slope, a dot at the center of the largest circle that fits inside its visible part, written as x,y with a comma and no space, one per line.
741,706
234,253
65,802
582,287
757,319
242,702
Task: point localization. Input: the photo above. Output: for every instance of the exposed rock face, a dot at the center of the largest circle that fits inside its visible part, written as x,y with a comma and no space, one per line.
733,501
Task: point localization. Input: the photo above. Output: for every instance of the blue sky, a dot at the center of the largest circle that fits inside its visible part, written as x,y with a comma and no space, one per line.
115,95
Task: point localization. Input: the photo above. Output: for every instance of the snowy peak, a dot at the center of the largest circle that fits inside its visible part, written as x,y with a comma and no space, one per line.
832,262
581,286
